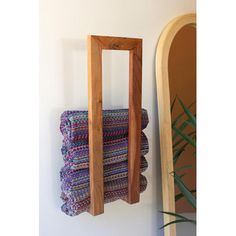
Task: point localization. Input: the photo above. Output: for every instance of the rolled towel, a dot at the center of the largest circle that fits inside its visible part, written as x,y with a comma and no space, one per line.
114,151
75,180
80,194
112,192
74,124
75,173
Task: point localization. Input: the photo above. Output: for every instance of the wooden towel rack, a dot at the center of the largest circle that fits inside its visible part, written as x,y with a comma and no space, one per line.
95,46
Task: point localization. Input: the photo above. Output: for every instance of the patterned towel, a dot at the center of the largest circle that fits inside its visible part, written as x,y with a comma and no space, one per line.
74,124
118,189
75,173
77,155
80,194
74,180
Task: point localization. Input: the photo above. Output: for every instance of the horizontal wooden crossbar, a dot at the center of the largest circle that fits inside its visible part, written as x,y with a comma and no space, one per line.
95,46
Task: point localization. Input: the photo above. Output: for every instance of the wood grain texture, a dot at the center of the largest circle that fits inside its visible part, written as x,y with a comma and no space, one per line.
117,43
95,127
135,103
163,97
95,46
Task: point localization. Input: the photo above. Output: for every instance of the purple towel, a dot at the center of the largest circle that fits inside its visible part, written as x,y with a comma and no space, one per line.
74,180
74,124
117,189
77,156
75,173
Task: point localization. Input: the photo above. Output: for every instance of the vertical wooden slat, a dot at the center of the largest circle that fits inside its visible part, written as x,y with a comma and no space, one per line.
135,92
95,127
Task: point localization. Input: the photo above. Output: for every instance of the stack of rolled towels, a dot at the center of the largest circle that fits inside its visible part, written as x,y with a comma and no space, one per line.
75,150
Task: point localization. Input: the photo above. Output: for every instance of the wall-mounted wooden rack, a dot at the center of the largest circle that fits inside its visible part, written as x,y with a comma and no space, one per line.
95,46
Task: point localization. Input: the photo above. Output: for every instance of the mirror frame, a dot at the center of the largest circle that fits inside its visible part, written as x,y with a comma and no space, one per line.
164,114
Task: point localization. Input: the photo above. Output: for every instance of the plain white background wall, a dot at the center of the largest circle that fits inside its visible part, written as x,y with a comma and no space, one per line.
64,26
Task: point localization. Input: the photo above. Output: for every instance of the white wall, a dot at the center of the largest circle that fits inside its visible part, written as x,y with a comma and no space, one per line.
64,25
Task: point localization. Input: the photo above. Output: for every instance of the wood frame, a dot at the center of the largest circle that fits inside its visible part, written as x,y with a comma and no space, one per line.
163,96
95,46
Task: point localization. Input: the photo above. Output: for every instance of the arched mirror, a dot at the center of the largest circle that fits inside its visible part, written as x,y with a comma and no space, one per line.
176,95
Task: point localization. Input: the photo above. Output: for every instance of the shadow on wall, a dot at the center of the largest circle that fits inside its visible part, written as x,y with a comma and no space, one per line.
56,156
75,91
74,96
156,164
75,74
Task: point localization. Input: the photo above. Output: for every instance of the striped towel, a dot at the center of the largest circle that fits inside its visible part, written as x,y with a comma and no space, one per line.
74,124
73,180
118,189
74,174
77,155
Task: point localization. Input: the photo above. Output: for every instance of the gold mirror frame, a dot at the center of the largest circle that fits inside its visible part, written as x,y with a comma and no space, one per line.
163,97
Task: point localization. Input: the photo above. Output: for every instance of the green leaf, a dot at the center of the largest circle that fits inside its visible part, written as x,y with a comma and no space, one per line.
189,121
178,142
179,221
182,127
178,152
183,167
192,118
185,191
177,155
185,136
180,195
180,115
181,176
181,139
174,214
177,119
173,103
